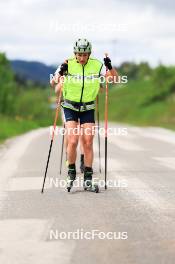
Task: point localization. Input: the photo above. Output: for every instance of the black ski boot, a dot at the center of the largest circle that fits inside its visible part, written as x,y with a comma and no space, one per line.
71,176
88,184
82,163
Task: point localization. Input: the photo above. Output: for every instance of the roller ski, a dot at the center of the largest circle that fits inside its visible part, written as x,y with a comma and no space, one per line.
88,184
71,177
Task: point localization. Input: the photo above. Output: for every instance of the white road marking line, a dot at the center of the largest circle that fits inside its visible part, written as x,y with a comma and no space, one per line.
27,183
161,134
21,242
9,162
144,193
168,162
124,142
113,164
141,191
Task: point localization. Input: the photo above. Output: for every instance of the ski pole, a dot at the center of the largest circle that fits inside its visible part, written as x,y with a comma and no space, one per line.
62,149
98,123
106,125
53,133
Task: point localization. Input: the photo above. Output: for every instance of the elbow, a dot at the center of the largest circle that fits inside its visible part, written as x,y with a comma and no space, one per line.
52,83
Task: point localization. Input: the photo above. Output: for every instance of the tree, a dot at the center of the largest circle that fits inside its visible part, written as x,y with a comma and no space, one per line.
7,85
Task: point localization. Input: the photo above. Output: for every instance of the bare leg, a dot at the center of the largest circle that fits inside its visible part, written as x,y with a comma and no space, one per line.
72,141
87,138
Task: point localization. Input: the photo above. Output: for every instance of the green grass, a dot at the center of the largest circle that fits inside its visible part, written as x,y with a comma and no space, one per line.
131,103
31,110
10,127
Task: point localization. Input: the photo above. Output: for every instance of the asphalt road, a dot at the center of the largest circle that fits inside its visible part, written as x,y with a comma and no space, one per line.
138,209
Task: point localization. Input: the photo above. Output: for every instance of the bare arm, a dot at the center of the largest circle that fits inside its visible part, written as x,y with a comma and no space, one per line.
57,78
112,75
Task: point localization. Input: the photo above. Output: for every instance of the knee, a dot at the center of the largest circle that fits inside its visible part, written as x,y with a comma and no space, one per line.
73,142
88,144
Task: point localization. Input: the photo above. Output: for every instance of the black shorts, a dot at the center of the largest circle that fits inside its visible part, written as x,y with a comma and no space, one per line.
82,117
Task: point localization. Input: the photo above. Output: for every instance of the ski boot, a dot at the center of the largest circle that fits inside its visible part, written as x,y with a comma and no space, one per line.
82,163
71,176
88,184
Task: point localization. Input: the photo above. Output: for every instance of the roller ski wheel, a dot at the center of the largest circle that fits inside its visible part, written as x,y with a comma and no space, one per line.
68,189
69,183
70,179
91,187
96,188
88,183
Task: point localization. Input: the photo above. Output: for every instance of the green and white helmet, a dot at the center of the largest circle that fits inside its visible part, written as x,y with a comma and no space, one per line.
82,46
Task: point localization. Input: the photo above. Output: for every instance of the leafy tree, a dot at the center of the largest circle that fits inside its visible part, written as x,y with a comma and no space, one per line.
135,71
7,85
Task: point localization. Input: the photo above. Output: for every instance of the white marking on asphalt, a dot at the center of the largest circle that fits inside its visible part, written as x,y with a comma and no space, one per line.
168,162
113,164
27,183
9,162
123,142
142,192
21,242
10,159
161,134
